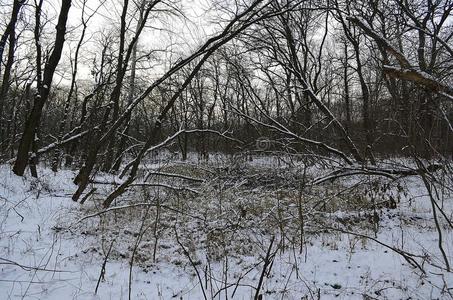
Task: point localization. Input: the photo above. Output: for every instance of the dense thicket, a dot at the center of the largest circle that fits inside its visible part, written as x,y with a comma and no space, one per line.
348,80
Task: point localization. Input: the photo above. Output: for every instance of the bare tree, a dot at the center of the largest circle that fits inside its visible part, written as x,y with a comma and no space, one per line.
10,35
43,87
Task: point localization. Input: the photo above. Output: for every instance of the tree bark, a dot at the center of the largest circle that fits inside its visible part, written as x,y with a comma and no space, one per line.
33,120
10,33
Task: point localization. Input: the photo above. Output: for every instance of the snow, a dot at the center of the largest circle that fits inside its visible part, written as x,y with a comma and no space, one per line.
45,254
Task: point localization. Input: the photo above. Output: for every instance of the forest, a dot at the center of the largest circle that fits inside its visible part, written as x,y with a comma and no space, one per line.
219,149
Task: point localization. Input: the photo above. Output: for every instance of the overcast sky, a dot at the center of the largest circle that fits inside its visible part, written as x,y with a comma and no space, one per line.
179,33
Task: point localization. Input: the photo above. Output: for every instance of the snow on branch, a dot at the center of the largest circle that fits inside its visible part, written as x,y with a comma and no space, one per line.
382,41
406,72
420,77
375,171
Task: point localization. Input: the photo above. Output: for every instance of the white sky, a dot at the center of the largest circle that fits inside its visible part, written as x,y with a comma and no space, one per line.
185,33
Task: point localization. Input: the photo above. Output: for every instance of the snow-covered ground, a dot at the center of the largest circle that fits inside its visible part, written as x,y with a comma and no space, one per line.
47,252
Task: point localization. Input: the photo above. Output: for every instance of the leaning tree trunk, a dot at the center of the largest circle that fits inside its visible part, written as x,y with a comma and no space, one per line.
34,118
119,152
10,33
64,120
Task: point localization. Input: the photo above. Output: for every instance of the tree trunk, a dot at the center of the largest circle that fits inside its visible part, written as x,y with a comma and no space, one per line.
34,118
11,33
